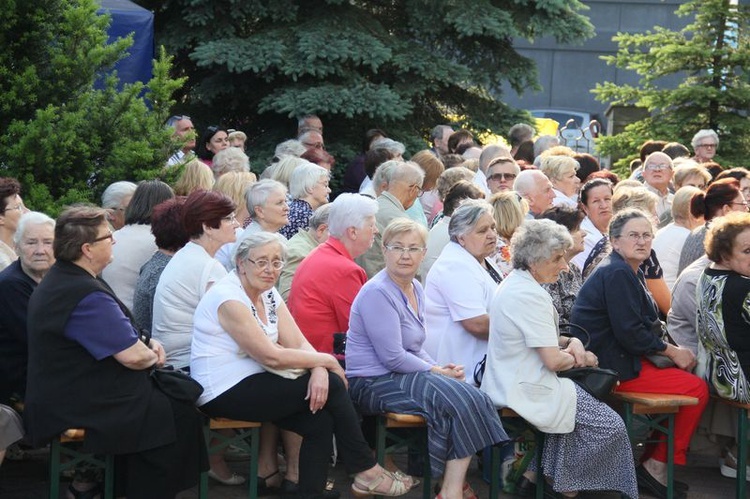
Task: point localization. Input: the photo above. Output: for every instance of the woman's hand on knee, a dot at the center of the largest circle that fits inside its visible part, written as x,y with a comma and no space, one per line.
317,389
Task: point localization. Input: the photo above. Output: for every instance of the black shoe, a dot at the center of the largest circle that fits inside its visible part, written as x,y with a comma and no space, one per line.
267,490
650,484
290,490
526,488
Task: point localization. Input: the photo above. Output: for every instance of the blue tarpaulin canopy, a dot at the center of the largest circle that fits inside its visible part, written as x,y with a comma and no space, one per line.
127,18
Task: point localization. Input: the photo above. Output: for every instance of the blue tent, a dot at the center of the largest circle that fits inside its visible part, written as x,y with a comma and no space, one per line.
127,18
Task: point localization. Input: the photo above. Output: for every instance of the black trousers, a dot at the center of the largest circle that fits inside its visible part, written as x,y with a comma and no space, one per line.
268,397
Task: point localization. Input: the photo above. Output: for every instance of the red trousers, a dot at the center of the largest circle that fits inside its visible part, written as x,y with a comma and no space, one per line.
678,382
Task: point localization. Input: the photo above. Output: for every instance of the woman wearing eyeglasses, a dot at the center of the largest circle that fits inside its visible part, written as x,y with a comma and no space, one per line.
11,209
256,365
389,371
615,307
89,368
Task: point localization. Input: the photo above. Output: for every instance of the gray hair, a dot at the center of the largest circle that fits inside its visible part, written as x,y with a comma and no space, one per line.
282,171
623,217
535,241
383,174
257,240
466,216
304,178
405,171
438,131
320,216
526,181
349,210
231,159
702,134
544,142
114,193
31,218
520,132
390,145
291,147
257,194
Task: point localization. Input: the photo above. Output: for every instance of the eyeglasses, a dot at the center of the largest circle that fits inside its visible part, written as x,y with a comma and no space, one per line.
708,146
264,264
634,236
658,168
411,251
109,236
418,187
20,207
499,177
314,145
232,219
743,203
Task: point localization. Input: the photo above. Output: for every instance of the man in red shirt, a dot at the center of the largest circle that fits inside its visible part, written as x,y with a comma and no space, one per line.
328,279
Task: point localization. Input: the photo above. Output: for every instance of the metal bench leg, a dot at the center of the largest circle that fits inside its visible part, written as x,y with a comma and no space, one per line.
109,476
253,478
54,469
670,456
203,485
427,471
540,480
741,452
495,470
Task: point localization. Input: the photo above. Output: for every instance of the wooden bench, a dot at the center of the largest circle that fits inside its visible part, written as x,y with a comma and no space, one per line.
743,413
653,409
243,431
76,457
389,421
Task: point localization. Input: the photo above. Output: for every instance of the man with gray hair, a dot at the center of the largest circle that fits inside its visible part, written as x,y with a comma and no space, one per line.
327,280
312,139
536,188
657,173
184,136
301,244
543,143
705,144
309,122
403,185
518,134
439,138
115,199
33,242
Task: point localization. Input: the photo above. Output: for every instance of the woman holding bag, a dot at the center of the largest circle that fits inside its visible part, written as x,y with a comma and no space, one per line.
586,444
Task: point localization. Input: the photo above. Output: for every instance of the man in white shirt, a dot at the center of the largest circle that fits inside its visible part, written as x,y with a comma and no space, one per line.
184,135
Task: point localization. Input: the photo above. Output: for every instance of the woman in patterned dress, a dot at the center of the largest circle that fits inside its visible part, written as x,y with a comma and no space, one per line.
723,321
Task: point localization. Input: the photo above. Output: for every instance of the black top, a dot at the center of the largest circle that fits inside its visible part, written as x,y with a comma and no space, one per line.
15,290
614,306
68,388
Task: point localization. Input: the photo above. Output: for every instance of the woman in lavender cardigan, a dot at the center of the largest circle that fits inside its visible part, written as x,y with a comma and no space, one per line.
388,371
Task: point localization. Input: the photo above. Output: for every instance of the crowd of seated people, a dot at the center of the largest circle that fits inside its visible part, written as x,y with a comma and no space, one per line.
437,266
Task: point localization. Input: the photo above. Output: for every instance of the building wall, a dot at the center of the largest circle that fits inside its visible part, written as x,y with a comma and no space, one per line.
567,73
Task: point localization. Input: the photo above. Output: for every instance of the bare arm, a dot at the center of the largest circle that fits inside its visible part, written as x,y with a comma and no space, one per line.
478,326
555,359
660,291
237,320
137,356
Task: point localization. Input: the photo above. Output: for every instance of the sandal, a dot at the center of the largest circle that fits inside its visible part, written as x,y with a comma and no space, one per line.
362,488
93,493
268,490
469,492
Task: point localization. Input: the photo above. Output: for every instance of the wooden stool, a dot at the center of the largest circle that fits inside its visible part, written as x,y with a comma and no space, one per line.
743,412
56,466
391,421
244,430
652,409
495,455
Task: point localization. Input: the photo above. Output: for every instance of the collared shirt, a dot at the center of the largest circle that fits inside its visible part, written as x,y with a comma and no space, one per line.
664,204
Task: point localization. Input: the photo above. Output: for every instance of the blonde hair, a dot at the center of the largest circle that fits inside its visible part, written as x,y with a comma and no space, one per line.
282,171
234,185
450,177
681,203
403,225
634,197
231,159
195,175
555,166
683,173
432,167
508,211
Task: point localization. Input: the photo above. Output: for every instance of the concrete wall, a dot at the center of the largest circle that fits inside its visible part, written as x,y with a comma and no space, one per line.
567,73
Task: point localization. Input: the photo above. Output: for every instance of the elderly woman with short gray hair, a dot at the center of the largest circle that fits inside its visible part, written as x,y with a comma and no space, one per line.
561,171
459,288
586,446
309,189
247,350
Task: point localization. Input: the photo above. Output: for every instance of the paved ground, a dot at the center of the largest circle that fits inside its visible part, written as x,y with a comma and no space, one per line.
28,480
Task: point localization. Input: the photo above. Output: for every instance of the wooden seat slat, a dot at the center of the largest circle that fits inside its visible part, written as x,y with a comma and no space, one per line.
655,400
223,423
732,403
395,420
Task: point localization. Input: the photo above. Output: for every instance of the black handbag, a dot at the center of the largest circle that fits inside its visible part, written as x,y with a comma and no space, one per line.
660,331
176,384
598,381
